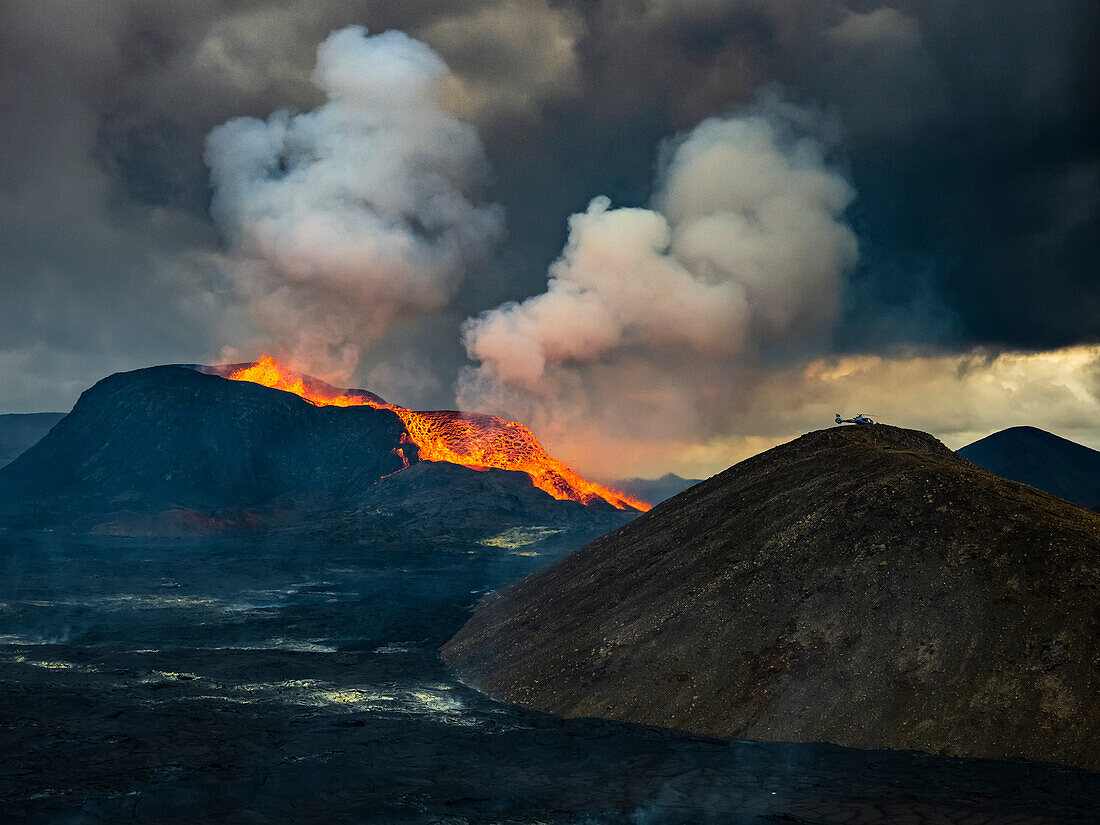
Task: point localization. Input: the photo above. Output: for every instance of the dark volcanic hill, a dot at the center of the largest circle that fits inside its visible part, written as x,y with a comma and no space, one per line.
1044,460
859,585
171,450
18,431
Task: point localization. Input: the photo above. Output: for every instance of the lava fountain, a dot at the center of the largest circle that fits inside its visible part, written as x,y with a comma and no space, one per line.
479,442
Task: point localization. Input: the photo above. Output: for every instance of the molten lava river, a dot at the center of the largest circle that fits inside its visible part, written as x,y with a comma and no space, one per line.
480,442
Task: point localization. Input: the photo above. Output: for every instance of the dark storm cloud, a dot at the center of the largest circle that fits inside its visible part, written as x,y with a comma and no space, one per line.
85,270
969,130
364,211
994,188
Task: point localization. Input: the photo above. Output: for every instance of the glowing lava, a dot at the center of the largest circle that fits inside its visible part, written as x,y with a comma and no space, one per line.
270,373
477,441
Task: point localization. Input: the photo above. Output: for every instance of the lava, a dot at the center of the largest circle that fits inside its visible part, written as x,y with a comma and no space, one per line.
477,441
270,373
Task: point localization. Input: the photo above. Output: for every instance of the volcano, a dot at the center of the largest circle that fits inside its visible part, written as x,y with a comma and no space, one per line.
181,449
1042,460
863,586
481,442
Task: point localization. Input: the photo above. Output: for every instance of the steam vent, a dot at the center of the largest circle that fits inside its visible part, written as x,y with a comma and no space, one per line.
860,585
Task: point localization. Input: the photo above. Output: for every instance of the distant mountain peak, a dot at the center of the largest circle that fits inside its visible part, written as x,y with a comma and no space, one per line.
1042,460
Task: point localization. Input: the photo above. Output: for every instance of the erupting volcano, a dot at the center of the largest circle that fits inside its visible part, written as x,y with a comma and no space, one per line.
469,439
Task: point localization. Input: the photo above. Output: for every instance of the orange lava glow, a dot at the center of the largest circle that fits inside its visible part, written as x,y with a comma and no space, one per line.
477,441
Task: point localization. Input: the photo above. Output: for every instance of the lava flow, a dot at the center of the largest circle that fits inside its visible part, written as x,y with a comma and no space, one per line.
477,441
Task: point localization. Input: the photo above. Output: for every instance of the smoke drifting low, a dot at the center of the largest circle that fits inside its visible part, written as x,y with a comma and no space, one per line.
652,317
366,210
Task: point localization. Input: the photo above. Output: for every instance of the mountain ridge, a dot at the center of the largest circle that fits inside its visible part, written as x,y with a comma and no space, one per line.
1042,460
655,490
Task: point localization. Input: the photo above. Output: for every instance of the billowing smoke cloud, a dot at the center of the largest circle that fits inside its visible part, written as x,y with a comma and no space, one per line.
972,147
361,212
651,315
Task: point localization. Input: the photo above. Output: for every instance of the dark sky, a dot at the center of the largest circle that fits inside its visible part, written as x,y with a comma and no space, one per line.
967,129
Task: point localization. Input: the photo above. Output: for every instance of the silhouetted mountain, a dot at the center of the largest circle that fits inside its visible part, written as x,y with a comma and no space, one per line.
1046,461
859,585
18,431
170,450
655,490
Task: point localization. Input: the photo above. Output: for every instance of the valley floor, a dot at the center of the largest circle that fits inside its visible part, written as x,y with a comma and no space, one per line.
259,682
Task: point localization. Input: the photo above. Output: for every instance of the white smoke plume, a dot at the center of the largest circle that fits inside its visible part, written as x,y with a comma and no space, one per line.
347,218
652,318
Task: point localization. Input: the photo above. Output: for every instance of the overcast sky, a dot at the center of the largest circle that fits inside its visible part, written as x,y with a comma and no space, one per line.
666,233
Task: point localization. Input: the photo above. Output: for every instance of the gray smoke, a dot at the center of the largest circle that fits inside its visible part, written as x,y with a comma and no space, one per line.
650,315
342,220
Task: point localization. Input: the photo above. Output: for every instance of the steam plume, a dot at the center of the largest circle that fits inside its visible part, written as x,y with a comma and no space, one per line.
363,211
650,315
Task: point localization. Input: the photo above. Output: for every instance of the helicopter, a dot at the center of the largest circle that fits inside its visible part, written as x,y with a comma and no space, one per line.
859,419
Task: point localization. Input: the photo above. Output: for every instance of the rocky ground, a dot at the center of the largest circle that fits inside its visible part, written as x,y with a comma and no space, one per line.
261,682
863,586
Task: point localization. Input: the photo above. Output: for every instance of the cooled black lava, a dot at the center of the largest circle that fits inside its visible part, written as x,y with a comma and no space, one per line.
225,681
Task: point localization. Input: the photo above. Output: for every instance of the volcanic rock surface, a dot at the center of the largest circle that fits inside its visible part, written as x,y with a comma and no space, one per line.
859,585
1043,460
174,451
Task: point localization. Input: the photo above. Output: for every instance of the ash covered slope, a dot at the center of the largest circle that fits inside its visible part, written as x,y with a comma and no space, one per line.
1044,460
170,451
859,585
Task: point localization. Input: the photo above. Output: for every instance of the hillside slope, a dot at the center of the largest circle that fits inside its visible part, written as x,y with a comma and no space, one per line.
1043,460
171,450
863,586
